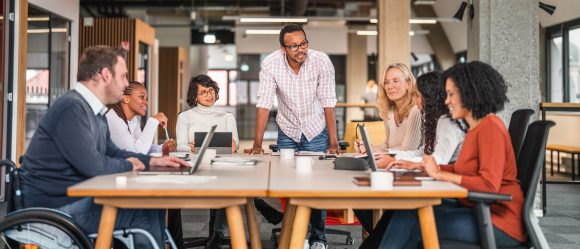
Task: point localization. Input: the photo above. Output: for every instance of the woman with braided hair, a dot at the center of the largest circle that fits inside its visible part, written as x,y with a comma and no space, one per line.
125,127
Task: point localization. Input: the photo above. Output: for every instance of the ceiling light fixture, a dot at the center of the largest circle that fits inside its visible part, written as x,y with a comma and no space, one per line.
458,17
209,38
262,32
548,8
424,2
422,21
273,19
374,32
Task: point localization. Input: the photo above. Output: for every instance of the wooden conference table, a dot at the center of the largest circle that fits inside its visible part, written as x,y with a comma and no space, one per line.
326,188
321,188
231,188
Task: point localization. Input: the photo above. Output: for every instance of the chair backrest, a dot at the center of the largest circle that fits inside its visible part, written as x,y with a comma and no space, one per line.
529,163
11,188
518,127
375,129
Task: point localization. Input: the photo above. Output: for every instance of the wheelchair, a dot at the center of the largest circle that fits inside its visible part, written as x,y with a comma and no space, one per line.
47,228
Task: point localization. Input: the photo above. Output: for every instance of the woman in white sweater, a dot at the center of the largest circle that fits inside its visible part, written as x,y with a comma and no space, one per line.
202,94
125,127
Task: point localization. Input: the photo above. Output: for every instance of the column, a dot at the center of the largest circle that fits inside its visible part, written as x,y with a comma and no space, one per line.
356,73
394,44
505,35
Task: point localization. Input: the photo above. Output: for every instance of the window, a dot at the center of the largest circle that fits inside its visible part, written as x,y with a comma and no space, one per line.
47,69
563,63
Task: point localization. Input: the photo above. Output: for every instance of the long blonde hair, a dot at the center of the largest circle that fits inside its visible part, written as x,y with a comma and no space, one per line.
384,104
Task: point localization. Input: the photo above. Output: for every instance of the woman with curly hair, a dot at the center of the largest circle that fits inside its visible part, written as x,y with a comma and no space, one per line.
398,110
475,92
442,138
202,94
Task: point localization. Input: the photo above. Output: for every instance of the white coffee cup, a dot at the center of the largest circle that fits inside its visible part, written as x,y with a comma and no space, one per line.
304,164
286,154
208,155
381,180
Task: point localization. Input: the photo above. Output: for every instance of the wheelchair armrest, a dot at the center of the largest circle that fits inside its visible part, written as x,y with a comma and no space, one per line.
486,197
273,147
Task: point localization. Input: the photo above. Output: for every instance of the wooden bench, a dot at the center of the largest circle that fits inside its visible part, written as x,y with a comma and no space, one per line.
572,150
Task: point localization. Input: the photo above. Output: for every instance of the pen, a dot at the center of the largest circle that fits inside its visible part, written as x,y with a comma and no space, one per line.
166,133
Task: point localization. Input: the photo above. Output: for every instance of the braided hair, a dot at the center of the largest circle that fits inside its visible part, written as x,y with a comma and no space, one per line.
482,88
432,90
118,108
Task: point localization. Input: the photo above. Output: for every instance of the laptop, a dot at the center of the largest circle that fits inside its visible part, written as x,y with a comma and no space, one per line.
183,170
370,156
221,141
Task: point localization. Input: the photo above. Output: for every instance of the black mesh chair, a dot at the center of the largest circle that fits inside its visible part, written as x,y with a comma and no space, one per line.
529,163
518,127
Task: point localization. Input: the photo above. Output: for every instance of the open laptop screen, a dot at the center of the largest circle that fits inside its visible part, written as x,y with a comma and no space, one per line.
367,142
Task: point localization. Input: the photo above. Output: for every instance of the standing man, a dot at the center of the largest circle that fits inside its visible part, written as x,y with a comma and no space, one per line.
303,82
72,144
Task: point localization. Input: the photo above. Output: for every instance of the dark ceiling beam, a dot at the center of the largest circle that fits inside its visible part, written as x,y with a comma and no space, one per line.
437,37
299,7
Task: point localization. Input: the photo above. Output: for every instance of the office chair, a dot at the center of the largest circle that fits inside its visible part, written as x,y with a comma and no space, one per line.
45,227
529,163
518,126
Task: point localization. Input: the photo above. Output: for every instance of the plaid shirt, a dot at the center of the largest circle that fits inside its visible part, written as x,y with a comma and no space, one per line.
302,97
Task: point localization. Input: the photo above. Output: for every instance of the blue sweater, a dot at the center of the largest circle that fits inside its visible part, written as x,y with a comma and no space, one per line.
70,145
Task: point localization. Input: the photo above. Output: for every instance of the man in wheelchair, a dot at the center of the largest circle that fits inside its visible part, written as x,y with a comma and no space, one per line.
72,144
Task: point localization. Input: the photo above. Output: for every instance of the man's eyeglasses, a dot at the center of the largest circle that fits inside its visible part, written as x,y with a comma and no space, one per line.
294,48
207,93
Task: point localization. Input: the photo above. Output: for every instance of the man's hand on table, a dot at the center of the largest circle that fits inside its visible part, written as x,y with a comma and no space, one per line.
167,161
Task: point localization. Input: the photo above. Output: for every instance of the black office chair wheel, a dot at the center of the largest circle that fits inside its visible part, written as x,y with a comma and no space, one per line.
43,227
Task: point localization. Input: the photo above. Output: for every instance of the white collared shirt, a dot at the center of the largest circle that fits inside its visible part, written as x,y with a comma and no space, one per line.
96,105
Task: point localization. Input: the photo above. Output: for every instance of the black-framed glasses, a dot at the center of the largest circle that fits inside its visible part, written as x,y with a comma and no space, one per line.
207,93
294,48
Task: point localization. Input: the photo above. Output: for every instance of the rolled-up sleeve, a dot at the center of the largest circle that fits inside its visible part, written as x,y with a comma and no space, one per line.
267,89
326,83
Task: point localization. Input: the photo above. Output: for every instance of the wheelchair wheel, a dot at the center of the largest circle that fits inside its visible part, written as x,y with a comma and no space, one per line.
41,228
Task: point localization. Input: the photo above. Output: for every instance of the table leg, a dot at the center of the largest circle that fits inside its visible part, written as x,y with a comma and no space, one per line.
428,228
236,226
253,227
287,223
300,227
106,227
377,214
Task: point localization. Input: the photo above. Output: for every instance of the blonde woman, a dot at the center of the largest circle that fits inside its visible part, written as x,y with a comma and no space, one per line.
398,110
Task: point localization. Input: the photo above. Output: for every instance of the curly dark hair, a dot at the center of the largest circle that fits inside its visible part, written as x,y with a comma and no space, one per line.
205,81
482,88
290,28
432,91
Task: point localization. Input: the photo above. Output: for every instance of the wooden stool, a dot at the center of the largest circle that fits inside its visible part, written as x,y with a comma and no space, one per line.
572,150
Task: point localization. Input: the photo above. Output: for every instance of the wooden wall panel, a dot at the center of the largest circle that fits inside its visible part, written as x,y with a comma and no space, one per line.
111,32
169,84
22,40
